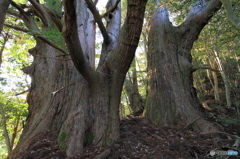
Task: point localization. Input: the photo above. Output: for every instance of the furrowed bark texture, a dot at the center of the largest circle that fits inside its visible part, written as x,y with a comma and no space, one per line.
70,98
106,82
171,97
59,101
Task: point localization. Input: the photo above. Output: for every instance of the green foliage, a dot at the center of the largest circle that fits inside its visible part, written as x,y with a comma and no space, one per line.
219,36
229,121
55,36
55,6
13,81
16,112
15,57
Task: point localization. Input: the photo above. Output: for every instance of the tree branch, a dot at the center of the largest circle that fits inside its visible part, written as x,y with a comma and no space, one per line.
95,2
232,17
54,18
37,35
98,19
111,9
195,68
17,28
70,33
201,13
5,39
27,19
14,13
39,9
122,56
17,94
50,43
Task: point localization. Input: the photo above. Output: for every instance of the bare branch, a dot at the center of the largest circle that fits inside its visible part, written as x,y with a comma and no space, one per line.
39,9
95,2
200,13
103,154
232,17
110,10
5,39
50,43
195,68
45,14
14,13
37,35
20,93
70,30
22,12
98,19
54,18
17,28
26,18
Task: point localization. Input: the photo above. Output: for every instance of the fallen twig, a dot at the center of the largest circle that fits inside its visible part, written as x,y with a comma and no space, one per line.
103,155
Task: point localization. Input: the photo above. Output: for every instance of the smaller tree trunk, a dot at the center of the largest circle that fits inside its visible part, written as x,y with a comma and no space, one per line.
225,80
5,131
215,85
4,4
136,101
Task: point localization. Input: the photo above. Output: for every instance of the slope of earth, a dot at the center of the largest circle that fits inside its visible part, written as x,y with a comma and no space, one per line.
141,140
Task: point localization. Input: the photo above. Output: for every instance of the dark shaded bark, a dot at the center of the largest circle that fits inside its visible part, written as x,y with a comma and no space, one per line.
4,4
171,96
136,102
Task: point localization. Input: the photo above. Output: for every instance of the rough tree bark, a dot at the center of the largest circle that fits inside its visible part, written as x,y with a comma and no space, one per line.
4,4
136,101
171,96
68,96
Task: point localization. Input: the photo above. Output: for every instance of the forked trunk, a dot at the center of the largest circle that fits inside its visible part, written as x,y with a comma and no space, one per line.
171,96
70,102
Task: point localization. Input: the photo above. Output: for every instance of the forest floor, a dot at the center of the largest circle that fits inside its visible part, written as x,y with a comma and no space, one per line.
141,140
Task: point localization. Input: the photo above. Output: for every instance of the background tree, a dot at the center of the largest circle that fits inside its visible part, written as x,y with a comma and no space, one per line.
136,101
231,15
13,87
217,47
13,116
172,99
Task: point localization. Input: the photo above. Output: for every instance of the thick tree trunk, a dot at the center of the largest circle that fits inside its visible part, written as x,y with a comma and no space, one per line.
59,101
171,96
71,102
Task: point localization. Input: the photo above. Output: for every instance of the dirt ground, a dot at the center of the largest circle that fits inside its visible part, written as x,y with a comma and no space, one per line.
141,140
